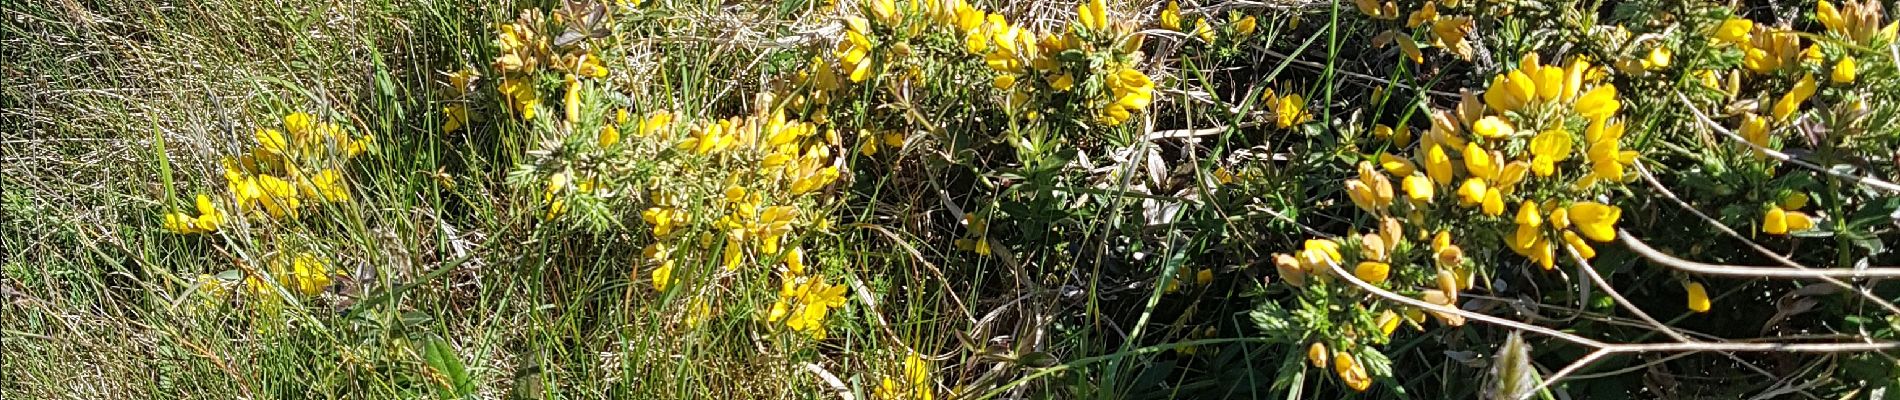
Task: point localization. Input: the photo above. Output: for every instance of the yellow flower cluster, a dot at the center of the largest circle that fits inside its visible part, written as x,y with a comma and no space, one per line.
730,191
1028,65
777,160
522,51
1288,110
1828,67
303,161
526,50
869,143
727,191
1858,22
306,275
207,220
461,83
1240,26
1544,103
914,384
804,299
1429,28
1768,51
558,186
854,52
1519,149
1512,144
1783,218
294,166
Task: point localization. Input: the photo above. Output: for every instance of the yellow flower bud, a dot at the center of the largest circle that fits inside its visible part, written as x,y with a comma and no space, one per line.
1388,322
1437,165
1372,247
1290,269
1398,166
1317,355
1356,377
1362,196
1441,298
1775,222
1479,162
1795,201
1448,283
1844,71
1799,221
1698,297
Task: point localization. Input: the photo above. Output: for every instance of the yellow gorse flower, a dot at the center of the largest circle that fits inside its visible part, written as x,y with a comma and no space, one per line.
915,383
1203,30
207,220
1171,16
1595,221
304,275
311,275
1698,297
803,304
1858,22
1658,58
1790,103
1289,110
1317,356
854,52
1092,15
1734,31
1844,71
1131,90
1246,26
1770,49
1351,372
1373,272
455,116
1548,149
1373,9
1780,221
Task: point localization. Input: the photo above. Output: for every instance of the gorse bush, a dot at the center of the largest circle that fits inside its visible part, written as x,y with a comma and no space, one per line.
923,199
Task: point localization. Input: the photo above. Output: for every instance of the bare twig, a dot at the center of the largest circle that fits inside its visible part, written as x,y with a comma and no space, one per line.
1865,293
1605,348
1658,257
1347,276
1597,278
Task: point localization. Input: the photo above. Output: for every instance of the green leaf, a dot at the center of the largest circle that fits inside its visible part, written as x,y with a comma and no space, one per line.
442,357
1038,360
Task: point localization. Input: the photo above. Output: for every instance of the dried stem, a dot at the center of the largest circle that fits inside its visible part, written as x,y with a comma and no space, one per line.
1658,257
1865,293
1603,348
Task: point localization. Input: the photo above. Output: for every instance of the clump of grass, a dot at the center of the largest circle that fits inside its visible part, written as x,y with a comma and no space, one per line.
941,199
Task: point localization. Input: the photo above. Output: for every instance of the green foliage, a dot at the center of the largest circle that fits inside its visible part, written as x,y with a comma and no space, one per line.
942,199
